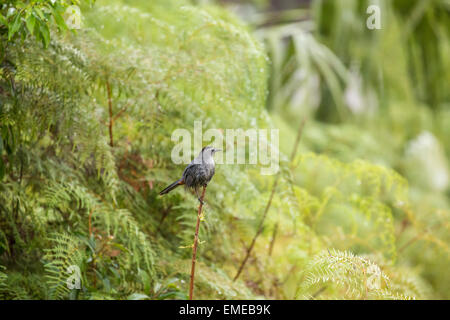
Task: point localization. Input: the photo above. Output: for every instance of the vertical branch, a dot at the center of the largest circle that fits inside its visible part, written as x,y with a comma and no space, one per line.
293,154
260,229
194,248
90,230
297,140
111,120
272,242
269,203
90,223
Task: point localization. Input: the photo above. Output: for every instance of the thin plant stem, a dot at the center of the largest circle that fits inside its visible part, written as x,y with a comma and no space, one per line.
269,203
260,229
272,242
111,120
194,248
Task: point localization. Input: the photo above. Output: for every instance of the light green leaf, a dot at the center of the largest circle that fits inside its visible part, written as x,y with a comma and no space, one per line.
3,20
59,20
45,32
30,22
40,14
138,296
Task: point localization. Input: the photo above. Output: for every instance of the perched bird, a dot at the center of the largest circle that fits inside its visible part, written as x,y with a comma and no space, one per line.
197,174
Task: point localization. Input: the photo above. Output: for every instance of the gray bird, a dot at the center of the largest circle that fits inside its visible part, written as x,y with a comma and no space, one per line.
197,174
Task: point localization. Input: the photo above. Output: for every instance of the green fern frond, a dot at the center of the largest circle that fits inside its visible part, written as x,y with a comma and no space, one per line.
348,276
65,255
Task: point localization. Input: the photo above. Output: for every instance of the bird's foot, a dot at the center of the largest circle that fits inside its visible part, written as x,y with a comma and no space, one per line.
201,201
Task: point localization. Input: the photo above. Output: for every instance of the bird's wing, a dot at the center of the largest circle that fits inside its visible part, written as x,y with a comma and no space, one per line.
189,174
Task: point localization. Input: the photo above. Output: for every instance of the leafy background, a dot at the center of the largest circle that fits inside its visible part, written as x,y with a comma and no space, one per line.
86,118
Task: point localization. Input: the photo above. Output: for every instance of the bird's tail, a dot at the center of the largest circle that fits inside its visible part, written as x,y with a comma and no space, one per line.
172,186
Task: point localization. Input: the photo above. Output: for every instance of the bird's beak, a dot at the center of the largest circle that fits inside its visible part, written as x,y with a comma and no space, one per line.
217,150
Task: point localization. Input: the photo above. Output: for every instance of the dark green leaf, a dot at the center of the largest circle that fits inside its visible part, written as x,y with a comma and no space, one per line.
2,168
14,27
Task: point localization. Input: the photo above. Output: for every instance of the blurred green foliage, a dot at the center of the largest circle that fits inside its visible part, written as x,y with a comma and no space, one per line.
85,141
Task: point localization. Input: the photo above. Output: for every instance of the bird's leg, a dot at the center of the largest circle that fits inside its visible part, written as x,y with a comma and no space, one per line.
198,197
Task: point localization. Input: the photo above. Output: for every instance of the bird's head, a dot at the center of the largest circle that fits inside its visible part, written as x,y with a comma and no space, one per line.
208,150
